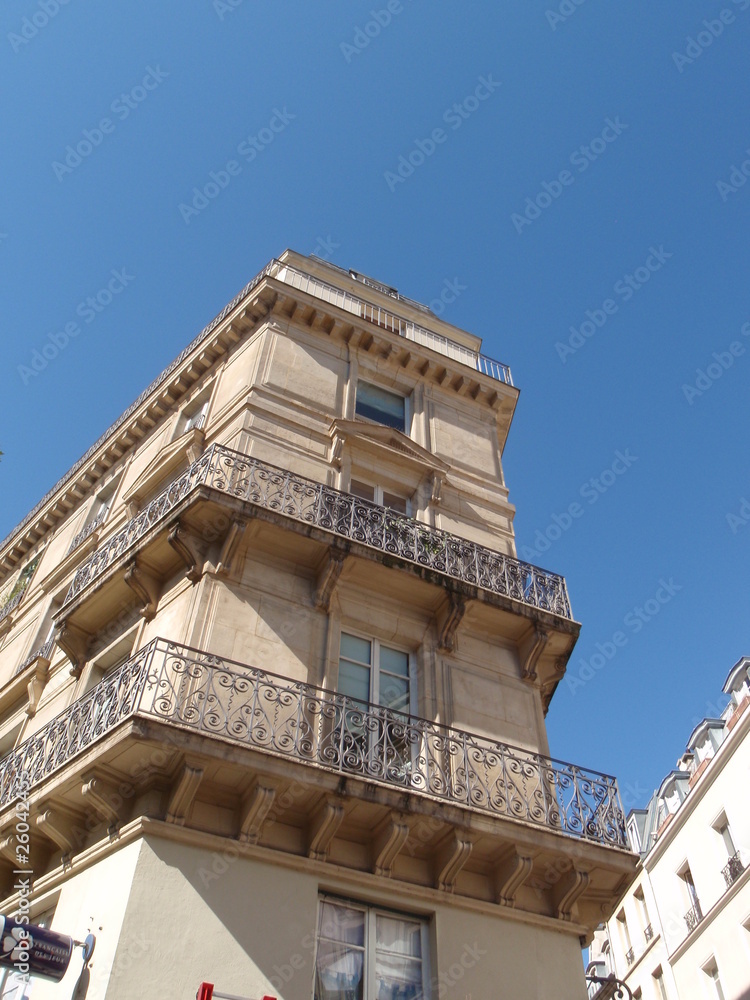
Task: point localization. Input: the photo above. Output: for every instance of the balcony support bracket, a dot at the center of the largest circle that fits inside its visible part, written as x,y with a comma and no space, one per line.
98,793
231,547
145,587
449,617
328,577
36,685
183,794
390,838
567,892
254,811
187,548
62,830
74,642
530,649
323,827
510,875
451,858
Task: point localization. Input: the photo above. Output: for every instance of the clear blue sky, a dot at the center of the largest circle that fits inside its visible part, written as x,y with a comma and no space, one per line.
317,104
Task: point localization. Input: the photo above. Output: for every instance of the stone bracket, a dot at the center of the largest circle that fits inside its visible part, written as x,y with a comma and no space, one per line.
97,793
530,649
187,548
567,892
145,587
183,794
451,858
323,827
510,874
60,829
448,619
230,547
328,576
36,685
390,837
436,488
74,642
254,811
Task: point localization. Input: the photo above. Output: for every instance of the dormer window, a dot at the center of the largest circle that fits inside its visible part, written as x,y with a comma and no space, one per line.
381,406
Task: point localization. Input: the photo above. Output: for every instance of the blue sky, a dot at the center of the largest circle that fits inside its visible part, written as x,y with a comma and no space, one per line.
586,196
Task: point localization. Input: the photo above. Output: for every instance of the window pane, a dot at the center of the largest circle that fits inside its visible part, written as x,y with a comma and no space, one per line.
394,502
404,937
394,693
363,490
394,661
338,972
380,405
354,648
354,681
397,978
342,923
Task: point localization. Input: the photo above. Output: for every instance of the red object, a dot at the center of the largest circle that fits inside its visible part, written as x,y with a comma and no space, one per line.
205,991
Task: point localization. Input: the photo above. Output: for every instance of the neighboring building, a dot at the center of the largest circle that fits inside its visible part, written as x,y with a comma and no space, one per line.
278,682
682,929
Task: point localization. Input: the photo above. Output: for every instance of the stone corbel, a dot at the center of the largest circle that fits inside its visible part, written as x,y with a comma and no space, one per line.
436,488
448,619
230,547
183,794
187,548
567,892
36,685
451,858
337,450
328,577
254,812
61,829
529,650
323,827
510,874
145,587
74,642
390,837
97,794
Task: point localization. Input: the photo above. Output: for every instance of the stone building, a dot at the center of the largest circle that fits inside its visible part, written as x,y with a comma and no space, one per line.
682,929
277,682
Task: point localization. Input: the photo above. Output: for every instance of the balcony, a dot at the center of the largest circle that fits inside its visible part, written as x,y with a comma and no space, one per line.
648,932
732,869
630,956
274,489
84,533
693,917
193,690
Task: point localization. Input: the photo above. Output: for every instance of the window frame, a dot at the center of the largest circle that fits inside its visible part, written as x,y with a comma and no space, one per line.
371,912
378,495
406,429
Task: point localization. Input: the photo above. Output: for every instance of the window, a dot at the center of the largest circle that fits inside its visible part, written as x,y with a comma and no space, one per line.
373,741
661,990
195,416
712,971
364,953
643,911
381,406
376,494
722,828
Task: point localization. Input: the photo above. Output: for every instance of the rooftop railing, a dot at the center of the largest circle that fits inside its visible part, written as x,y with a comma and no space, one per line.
342,514
390,321
197,691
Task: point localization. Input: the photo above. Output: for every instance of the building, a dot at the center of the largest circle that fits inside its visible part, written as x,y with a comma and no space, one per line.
682,929
277,682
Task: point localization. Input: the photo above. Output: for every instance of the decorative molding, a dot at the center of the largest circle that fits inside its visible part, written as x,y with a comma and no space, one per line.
74,642
60,829
97,792
568,890
36,685
328,577
448,619
230,547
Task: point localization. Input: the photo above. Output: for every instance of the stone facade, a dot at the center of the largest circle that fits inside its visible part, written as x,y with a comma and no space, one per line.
274,657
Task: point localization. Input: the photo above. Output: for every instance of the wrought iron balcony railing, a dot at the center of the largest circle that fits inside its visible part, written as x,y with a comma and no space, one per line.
693,916
84,533
230,472
630,956
648,932
197,691
11,605
388,320
44,652
732,869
